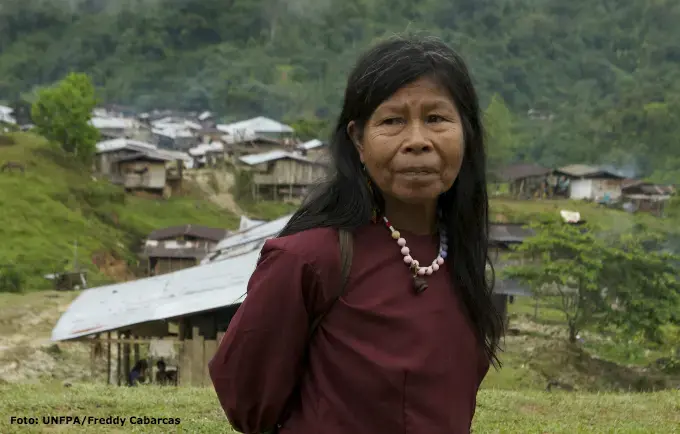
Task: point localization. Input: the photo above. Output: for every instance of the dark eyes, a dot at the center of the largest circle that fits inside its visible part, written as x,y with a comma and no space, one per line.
399,121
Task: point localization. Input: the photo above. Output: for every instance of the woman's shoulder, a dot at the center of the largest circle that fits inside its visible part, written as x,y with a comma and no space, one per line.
317,247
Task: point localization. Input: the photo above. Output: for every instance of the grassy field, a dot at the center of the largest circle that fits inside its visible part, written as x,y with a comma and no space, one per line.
520,412
57,203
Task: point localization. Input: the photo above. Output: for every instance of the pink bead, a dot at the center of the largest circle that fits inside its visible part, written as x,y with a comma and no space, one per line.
408,259
416,263
428,271
421,271
440,261
435,266
401,242
405,251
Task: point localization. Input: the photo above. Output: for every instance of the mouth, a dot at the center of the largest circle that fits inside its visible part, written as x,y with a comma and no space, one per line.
418,171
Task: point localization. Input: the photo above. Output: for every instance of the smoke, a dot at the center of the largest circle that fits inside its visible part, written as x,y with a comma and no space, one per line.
629,170
308,9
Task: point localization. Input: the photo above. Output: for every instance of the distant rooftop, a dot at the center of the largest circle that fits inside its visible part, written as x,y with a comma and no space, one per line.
259,124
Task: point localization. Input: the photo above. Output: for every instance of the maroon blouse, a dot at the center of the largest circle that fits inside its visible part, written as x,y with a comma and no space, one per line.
384,359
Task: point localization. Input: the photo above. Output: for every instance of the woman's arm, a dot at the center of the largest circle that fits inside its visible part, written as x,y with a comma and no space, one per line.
259,359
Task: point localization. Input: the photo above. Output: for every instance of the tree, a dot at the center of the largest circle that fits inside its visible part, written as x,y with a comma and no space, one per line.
62,113
627,283
564,261
643,280
500,129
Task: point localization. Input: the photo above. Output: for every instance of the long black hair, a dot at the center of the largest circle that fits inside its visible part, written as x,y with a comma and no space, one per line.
344,200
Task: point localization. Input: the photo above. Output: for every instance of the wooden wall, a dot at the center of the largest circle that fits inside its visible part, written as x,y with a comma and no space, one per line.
195,354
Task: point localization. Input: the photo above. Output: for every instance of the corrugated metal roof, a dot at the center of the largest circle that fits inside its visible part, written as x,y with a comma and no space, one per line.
136,145
509,233
254,159
189,291
312,144
520,171
198,231
259,124
122,143
112,123
583,170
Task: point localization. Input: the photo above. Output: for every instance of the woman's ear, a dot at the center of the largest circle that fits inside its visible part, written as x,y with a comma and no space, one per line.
353,133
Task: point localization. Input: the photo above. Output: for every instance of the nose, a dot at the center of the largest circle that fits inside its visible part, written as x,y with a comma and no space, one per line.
416,141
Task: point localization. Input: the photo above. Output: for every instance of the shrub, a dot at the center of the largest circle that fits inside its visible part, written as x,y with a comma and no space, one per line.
11,280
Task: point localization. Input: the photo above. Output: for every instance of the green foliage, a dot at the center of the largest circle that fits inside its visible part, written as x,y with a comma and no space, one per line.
56,203
626,284
602,77
243,183
11,279
62,113
503,142
311,128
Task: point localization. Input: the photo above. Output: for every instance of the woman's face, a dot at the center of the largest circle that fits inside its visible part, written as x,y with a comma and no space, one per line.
412,145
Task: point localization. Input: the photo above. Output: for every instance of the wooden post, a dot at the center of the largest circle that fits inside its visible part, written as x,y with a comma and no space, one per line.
197,357
119,355
184,368
108,358
126,356
93,357
135,349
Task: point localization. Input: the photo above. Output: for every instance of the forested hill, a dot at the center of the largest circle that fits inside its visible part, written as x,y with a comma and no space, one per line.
601,77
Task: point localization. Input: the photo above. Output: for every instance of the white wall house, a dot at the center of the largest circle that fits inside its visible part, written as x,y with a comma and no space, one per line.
592,183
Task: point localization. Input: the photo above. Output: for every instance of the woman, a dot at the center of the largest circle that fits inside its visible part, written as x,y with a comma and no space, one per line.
391,356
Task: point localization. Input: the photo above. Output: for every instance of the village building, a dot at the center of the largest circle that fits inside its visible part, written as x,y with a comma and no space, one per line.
315,150
524,180
592,183
111,127
141,166
502,237
644,196
260,126
208,154
179,247
247,143
181,316
281,175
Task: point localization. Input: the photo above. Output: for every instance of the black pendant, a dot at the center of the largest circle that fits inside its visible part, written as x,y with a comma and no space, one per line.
419,284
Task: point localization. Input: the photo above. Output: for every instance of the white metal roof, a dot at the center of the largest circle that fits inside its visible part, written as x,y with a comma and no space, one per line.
265,157
259,124
203,148
173,132
175,124
247,239
192,290
136,145
112,123
122,143
312,144
247,223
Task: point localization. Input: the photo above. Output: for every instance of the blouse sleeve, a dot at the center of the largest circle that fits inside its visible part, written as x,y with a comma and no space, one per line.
259,359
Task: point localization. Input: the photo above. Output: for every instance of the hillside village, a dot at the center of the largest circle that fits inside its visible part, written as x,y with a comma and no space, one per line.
192,277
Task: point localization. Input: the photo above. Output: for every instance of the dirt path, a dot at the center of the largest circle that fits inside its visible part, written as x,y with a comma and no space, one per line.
26,351
216,184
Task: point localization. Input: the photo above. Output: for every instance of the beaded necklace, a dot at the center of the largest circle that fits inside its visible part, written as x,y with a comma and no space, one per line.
419,282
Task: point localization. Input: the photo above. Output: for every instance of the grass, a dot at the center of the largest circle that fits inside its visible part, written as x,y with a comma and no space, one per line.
523,211
498,411
57,203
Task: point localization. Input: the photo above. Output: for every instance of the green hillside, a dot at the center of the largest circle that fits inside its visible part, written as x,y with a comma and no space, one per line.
601,78
57,203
